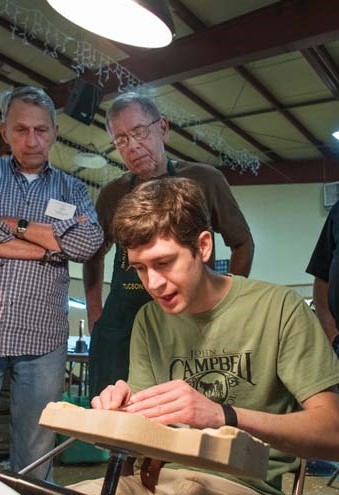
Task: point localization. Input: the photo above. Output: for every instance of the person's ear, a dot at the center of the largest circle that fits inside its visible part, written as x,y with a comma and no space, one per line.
56,132
164,127
205,245
3,132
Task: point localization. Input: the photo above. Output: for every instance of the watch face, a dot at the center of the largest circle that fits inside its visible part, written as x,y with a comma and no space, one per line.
22,224
21,228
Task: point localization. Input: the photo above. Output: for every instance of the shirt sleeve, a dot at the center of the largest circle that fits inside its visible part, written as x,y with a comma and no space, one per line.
79,241
5,233
304,349
227,218
320,262
106,205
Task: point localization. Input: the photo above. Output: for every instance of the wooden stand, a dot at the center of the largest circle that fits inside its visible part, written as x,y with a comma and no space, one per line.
226,449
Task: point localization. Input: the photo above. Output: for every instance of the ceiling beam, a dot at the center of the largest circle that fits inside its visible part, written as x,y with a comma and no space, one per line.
228,122
196,24
263,111
324,66
43,81
187,16
265,93
192,138
287,172
273,30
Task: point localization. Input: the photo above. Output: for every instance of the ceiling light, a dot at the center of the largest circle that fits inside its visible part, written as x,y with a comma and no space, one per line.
335,134
89,160
144,23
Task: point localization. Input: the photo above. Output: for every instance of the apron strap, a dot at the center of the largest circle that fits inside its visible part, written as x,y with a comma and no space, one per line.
170,171
132,184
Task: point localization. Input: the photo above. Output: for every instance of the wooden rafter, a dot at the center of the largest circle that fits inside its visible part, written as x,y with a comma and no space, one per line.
228,122
323,64
253,36
265,93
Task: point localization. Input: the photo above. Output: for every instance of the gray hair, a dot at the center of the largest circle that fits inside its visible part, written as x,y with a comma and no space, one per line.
125,100
28,94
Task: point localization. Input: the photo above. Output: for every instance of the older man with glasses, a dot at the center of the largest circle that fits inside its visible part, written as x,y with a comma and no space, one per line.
139,132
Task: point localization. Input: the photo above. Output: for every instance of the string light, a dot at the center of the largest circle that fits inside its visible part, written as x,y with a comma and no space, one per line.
30,24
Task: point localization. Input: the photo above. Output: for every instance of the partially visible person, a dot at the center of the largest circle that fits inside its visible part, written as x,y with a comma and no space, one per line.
211,350
46,219
140,132
324,265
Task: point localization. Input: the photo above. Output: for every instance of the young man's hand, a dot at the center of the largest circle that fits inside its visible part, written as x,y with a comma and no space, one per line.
113,396
176,402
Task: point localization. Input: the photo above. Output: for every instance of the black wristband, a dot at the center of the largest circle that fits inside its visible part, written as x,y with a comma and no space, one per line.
231,418
45,257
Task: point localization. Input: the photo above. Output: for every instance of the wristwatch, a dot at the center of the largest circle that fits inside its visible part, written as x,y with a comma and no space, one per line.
21,228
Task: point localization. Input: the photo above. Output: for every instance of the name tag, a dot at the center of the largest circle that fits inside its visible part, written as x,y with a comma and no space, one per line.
60,210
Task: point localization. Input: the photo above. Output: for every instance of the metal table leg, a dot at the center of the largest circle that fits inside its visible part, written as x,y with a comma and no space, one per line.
113,472
64,445
333,477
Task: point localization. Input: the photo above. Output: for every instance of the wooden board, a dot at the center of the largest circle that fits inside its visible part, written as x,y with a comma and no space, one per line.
225,449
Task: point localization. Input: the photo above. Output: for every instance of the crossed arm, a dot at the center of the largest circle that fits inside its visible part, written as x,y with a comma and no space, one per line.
38,238
312,432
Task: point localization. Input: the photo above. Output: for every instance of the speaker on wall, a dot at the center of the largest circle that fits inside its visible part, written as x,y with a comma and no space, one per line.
83,101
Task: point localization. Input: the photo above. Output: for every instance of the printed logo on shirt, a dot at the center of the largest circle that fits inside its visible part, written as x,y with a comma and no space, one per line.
214,375
132,286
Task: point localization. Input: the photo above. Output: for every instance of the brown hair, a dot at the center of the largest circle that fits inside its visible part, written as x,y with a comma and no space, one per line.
170,207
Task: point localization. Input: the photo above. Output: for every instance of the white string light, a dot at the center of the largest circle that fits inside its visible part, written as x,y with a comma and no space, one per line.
30,24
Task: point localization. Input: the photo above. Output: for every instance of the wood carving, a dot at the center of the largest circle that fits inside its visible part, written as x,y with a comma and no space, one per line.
226,449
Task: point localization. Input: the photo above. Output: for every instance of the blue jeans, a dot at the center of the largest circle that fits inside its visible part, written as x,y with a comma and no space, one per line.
35,381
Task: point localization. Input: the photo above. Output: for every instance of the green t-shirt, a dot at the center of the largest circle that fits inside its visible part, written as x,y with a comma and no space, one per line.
260,348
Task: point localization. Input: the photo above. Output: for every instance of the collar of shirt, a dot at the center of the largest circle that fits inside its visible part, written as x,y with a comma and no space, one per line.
16,167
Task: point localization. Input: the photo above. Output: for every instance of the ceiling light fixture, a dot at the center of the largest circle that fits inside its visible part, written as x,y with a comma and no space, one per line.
89,158
144,23
335,134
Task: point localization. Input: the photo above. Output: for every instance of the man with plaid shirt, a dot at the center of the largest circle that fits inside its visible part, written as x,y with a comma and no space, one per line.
46,219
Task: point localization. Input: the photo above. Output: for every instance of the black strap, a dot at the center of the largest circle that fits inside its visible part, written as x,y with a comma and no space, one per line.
171,168
231,418
132,183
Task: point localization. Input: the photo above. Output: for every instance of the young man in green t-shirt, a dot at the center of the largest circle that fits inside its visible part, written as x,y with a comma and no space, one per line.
212,350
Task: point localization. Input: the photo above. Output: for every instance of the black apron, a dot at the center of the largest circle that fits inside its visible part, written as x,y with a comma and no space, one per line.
110,340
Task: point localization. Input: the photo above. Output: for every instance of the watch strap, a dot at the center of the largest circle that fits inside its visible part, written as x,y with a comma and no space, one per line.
231,418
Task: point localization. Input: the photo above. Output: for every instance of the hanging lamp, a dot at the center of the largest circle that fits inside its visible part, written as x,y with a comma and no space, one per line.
143,23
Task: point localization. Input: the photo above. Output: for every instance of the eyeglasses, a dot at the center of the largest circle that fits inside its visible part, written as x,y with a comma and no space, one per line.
139,134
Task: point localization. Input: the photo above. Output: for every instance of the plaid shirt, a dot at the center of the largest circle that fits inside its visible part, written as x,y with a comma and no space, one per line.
34,296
